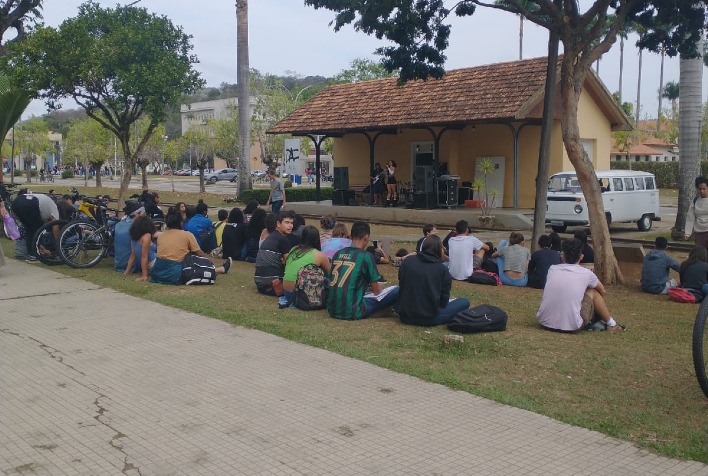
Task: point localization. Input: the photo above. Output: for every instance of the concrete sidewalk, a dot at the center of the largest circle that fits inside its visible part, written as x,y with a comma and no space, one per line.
97,382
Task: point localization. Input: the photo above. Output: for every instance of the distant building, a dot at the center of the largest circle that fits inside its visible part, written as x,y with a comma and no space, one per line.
650,149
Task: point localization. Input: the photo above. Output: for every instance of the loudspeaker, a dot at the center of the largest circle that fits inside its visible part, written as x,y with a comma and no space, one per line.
424,179
464,193
424,201
341,178
343,197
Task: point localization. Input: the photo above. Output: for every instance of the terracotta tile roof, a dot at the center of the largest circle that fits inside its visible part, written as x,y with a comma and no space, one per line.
651,140
639,149
483,93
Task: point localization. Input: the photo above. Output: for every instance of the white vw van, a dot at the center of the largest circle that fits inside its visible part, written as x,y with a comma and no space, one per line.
627,195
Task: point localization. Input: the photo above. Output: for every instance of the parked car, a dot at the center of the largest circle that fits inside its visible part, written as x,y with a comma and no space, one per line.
258,173
221,174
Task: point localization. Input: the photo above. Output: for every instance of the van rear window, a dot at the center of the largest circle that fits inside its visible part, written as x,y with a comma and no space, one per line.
649,182
639,181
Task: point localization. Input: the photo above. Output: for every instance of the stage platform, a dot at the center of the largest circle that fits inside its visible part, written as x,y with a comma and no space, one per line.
505,218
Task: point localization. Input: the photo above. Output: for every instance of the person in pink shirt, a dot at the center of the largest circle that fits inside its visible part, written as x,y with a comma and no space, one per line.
573,297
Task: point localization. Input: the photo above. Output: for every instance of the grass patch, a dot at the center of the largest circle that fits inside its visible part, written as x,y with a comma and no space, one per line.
638,385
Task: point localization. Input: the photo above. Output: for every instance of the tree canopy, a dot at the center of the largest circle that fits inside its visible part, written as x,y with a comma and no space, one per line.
118,64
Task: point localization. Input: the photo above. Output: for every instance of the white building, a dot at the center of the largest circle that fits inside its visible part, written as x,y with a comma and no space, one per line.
649,149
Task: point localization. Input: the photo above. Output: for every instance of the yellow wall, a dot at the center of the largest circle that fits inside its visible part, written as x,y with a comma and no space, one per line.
460,149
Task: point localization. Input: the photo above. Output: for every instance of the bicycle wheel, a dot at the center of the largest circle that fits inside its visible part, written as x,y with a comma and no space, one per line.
700,346
81,244
159,224
45,243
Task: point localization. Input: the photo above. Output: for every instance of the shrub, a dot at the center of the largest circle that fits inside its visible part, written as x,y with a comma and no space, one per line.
33,173
18,173
295,194
67,173
288,183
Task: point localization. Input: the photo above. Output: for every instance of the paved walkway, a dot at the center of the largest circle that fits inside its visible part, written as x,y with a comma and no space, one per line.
97,382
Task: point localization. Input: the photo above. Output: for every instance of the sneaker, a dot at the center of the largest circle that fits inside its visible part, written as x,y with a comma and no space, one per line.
227,265
618,328
31,259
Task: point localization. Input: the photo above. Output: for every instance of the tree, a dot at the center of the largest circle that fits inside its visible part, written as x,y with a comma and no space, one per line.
14,15
661,90
244,96
690,114
198,143
671,92
32,142
226,137
361,69
419,36
89,143
151,153
117,64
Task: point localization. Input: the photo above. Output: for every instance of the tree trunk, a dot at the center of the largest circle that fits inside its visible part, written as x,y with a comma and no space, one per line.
244,95
606,266
521,37
124,184
621,68
544,150
86,173
143,170
661,90
98,175
639,89
202,187
690,115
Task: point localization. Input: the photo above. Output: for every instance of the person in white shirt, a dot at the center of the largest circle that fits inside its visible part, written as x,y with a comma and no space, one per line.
697,217
573,296
465,252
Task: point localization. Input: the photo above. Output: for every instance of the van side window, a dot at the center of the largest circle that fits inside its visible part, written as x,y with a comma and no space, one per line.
629,184
649,181
617,184
640,183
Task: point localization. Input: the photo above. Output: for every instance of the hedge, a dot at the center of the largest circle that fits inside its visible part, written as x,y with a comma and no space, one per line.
666,173
295,194
67,173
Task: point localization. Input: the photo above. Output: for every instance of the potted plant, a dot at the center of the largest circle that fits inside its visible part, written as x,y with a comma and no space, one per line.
487,197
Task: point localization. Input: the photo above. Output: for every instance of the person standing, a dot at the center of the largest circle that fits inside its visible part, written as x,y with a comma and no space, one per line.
276,197
425,284
353,272
391,182
697,217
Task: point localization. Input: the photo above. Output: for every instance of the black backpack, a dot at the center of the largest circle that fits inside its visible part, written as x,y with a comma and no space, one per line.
198,270
482,318
311,290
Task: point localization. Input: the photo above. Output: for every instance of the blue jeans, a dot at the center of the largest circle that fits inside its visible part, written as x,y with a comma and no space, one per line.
373,306
276,206
509,281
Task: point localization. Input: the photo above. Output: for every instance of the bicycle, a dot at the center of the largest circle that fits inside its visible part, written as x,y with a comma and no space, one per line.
85,241
700,346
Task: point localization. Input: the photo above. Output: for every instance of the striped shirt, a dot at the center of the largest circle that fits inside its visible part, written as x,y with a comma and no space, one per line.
353,270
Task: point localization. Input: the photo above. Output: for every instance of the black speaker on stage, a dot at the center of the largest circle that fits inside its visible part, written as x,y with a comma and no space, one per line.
424,179
425,201
341,178
342,197
463,193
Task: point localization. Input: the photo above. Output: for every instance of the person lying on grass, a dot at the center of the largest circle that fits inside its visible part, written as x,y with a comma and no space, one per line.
173,245
573,296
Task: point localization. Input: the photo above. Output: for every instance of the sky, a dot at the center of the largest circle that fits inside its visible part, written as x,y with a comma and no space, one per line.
285,37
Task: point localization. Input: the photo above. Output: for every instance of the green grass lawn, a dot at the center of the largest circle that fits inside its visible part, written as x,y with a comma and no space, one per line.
638,385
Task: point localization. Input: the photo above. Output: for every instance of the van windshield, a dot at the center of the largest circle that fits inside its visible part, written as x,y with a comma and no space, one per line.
564,183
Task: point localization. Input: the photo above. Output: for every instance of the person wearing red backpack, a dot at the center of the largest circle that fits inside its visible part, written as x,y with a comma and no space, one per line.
694,272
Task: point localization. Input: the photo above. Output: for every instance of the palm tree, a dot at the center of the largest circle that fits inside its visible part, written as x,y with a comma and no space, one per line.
690,114
623,33
639,83
671,92
661,90
244,96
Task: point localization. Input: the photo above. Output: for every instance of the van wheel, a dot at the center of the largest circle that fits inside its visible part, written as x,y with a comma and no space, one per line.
559,228
644,223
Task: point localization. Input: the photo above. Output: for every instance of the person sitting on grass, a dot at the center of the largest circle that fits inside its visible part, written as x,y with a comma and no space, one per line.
378,253
121,235
512,259
573,297
340,239
248,210
353,272
173,245
556,243
425,284
202,228
222,216
694,272
588,253
655,269
233,240
270,261
307,252
541,261
253,234
327,223
143,251
465,251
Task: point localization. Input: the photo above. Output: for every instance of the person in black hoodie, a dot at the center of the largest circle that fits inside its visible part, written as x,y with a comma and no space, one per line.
425,283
